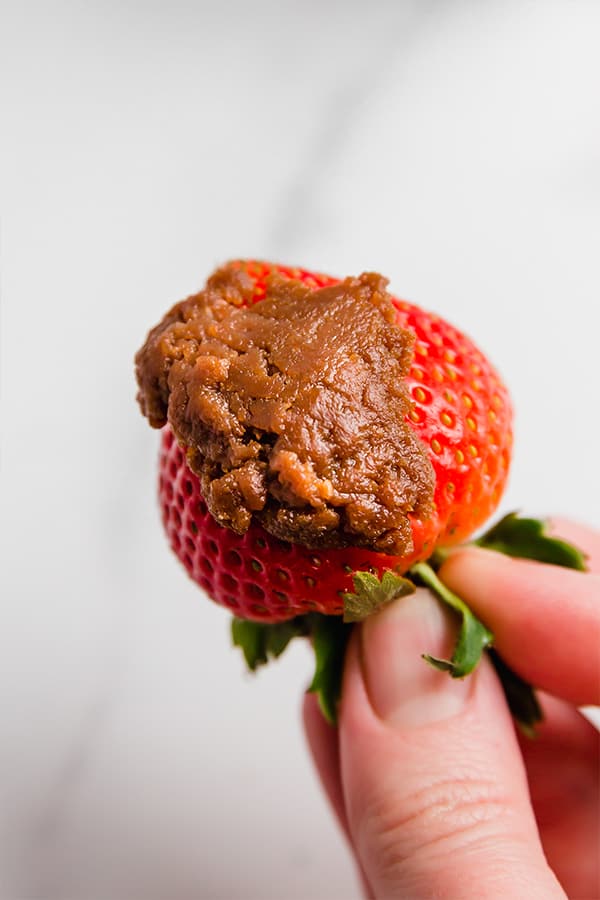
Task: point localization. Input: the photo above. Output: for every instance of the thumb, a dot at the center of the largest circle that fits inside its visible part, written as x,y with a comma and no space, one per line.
434,785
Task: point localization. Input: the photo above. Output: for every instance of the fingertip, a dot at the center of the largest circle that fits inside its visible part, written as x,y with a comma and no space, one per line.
465,567
320,734
479,577
538,614
311,715
403,689
323,742
322,739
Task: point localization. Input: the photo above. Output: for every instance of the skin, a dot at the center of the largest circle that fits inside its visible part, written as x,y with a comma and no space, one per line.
438,794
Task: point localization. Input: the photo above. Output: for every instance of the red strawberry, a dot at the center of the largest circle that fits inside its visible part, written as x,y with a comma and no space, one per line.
461,412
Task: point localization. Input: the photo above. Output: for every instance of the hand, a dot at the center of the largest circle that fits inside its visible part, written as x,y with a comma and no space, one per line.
437,793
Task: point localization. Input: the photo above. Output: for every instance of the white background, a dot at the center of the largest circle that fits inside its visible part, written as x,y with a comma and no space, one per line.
453,146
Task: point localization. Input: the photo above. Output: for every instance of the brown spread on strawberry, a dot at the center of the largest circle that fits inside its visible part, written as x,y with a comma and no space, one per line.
293,408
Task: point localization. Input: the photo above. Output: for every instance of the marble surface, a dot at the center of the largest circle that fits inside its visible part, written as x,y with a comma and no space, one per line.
454,146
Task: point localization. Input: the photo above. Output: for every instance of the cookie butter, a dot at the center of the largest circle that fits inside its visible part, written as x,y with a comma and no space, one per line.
293,409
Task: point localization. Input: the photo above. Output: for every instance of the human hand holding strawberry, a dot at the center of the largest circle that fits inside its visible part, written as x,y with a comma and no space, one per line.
437,794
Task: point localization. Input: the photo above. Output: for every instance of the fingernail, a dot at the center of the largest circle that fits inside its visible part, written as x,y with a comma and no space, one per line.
404,689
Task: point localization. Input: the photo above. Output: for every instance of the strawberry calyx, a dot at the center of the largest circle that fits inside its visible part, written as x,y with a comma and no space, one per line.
524,538
513,535
520,696
371,593
260,642
330,638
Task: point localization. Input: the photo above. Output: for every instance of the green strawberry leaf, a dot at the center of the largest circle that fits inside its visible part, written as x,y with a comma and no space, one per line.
473,637
330,636
370,594
520,696
527,539
260,641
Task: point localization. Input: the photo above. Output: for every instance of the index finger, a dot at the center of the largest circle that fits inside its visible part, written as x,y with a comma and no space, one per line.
545,619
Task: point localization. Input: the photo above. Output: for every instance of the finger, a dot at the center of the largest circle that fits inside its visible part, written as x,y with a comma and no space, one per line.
545,619
323,744
324,747
581,536
434,785
564,781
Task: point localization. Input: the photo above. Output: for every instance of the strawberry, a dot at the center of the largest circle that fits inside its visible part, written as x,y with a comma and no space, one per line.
459,411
